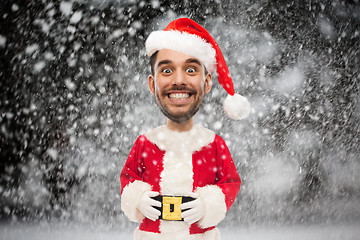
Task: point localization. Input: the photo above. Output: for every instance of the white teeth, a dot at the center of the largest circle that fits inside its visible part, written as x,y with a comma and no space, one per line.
179,95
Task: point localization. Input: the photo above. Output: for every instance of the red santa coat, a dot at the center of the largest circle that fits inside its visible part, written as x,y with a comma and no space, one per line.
176,164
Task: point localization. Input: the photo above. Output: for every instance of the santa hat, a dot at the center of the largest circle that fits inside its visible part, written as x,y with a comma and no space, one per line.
186,36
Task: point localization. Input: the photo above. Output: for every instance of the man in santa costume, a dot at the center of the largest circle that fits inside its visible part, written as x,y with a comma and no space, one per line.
180,179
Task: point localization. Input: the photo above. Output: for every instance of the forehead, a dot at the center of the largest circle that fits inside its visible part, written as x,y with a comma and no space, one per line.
175,57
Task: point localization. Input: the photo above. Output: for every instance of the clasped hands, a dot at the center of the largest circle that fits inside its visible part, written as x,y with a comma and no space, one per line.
195,209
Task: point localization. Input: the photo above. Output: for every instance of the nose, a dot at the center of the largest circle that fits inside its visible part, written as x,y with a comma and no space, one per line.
179,78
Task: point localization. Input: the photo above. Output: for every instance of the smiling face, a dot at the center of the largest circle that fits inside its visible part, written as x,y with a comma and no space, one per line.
179,84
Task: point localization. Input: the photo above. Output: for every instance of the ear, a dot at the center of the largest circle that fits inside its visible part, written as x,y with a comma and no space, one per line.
151,83
208,83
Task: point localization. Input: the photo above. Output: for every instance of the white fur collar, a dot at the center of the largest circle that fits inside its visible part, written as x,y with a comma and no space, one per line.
190,141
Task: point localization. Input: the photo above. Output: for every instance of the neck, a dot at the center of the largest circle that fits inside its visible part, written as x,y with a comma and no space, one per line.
180,127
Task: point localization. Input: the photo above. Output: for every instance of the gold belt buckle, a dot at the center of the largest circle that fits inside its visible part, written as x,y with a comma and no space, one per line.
171,208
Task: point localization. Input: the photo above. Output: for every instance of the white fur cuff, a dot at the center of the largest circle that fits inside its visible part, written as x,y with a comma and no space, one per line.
213,234
183,42
215,206
130,199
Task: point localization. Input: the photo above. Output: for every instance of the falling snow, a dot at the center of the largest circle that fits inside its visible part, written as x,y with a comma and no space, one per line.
66,8
2,41
76,17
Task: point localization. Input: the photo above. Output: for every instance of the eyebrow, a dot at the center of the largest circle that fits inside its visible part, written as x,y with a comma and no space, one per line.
193,60
163,62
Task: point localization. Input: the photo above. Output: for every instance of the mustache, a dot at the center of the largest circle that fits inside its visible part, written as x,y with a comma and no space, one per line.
178,88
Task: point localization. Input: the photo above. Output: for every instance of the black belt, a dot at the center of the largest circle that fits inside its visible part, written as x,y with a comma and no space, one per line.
170,207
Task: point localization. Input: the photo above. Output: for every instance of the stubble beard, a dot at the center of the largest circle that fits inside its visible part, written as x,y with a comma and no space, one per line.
179,118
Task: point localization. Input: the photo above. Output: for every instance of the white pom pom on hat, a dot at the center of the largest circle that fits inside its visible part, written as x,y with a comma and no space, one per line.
186,36
236,106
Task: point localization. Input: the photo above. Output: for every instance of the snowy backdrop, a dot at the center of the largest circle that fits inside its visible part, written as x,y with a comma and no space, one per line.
74,97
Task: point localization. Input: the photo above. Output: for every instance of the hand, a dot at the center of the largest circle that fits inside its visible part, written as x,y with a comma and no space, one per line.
195,210
146,204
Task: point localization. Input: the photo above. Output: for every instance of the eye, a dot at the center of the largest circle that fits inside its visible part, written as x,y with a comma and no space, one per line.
166,70
190,70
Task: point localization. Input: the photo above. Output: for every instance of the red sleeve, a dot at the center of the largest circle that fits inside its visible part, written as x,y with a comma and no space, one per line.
219,197
227,176
132,168
132,186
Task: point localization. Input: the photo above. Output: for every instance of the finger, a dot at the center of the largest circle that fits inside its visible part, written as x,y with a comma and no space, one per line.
194,195
153,211
148,215
153,194
187,205
154,202
188,213
153,215
152,218
193,220
191,204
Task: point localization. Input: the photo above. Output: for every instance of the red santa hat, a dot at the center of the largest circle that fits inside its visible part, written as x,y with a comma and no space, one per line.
186,36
